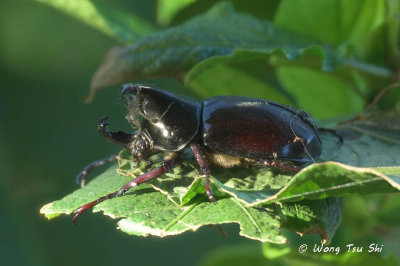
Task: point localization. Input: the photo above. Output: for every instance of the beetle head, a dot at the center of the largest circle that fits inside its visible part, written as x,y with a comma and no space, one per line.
140,146
167,121
129,93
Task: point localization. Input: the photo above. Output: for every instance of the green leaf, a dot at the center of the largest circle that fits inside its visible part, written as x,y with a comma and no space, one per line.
321,217
319,181
166,9
244,73
148,212
220,31
261,9
380,125
332,21
322,94
115,23
372,141
145,211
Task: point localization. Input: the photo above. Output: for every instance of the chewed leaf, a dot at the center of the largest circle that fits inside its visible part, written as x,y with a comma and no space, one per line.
145,211
163,220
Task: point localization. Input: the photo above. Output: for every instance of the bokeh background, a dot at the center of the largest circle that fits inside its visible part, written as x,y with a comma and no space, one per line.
47,135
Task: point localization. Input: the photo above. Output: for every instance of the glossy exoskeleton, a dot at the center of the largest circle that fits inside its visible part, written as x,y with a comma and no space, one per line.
224,130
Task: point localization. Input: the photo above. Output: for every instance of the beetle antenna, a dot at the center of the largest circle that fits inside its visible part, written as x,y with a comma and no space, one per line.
300,139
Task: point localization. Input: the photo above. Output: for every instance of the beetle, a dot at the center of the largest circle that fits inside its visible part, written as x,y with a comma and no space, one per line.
224,130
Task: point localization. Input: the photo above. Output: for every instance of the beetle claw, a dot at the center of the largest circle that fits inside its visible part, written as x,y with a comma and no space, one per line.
210,195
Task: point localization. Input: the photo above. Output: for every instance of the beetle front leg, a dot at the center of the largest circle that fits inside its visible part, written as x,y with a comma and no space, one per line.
81,177
166,166
204,169
119,137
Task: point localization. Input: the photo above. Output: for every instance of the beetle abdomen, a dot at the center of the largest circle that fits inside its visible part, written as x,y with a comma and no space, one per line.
255,128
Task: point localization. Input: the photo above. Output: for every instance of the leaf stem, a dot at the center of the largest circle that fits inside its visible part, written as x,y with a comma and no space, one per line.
251,218
183,214
370,69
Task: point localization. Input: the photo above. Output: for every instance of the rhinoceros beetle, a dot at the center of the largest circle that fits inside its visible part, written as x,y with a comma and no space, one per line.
223,130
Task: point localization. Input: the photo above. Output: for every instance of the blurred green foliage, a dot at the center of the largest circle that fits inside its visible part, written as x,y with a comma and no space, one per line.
47,134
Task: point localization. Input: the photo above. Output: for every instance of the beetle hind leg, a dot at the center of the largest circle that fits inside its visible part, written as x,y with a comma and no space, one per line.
270,163
282,165
204,169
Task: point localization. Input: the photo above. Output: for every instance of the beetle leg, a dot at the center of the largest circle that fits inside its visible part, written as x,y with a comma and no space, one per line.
81,177
333,132
270,163
119,137
281,165
204,169
166,166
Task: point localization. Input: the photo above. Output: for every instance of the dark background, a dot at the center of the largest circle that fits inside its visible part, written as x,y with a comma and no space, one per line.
47,135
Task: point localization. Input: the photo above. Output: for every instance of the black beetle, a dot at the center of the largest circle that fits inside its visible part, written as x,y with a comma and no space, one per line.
223,130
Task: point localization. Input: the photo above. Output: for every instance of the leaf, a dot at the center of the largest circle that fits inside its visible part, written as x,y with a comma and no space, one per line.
167,9
381,46
244,73
332,21
321,217
379,125
323,95
254,224
115,23
220,31
259,8
148,212
372,141
322,180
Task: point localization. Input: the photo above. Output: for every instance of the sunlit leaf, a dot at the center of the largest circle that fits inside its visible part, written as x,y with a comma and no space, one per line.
118,24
